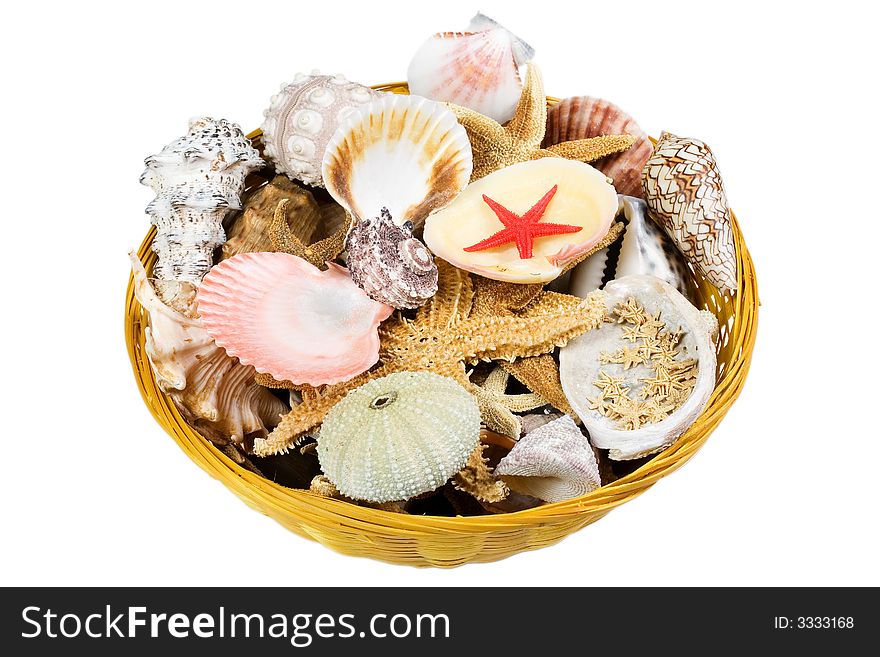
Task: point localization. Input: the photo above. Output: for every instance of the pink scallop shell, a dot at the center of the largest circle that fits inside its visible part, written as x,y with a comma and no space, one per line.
289,319
581,117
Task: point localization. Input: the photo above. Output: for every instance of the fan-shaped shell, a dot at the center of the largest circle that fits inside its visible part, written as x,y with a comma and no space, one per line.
553,463
404,153
478,68
685,196
582,117
580,364
398,436
289,319
389,264
302,118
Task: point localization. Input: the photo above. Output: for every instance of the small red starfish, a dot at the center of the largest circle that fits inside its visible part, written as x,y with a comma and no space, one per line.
522,230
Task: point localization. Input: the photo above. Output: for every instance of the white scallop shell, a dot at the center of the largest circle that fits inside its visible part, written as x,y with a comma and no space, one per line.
398,436
579,366
404,153
553,463
478,68
302,118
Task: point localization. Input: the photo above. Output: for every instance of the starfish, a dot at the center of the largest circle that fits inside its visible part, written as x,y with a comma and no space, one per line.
497,407
655,410
319,253
628,412
632,333
522,229
626,357
495,146
442,338
651,326
610,386
630,312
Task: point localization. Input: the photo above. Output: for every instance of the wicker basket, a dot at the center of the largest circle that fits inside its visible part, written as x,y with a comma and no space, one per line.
442,541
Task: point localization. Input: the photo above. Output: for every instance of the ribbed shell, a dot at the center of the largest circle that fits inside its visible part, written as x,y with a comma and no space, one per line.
582,117
302,118
685,196
389,264
478,68
404,153
553,463
289,319
398,436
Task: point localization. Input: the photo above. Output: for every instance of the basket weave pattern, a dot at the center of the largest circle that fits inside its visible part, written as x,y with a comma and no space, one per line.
441,541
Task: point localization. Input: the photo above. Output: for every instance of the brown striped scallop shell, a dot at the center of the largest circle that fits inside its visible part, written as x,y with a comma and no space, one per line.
581,117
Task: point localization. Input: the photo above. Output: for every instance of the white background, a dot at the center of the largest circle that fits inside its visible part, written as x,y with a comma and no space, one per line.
785,491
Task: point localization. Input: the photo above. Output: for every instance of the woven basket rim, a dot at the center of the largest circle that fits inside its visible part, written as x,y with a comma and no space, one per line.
599,501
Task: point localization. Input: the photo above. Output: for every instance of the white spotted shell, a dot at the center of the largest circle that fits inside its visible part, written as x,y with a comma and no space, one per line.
398,436
389,264
302,118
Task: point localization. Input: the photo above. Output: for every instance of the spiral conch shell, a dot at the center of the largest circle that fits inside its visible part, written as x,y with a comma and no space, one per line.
302,118
398,436
389,264
197,179
215,392
686,197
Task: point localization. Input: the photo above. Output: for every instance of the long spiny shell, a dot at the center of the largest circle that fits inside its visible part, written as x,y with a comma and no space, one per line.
583,117
197,179
553,463
685,195
478,68
404,153
303,117
215,392
389,264
398,436
250,232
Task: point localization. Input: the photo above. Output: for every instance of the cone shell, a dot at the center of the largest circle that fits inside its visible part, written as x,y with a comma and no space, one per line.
289,319
389,264
582,117
398,436
685,196
302,118
404,153
584,198
554,462
478,69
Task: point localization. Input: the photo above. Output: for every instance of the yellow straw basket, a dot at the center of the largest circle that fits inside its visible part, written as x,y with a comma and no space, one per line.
443,541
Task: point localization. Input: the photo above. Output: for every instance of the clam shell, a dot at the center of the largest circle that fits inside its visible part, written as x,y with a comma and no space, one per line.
398,436
302,118
215,393
554,462
478,68
389,264
582,117
579,365
685,196
583,198
289,319
404,153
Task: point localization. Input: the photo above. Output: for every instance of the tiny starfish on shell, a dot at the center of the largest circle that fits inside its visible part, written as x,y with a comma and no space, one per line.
630,311
495,146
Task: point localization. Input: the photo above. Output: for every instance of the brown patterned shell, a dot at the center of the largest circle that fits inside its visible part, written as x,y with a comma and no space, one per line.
581,117
685,195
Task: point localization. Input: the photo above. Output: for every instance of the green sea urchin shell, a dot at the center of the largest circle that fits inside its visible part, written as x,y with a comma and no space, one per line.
398,436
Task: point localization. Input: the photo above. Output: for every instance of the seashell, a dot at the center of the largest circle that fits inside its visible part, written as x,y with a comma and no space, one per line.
249,233
291,320
478,68
583,199
398,436
582,117
685,196
404,153
389,264
197,179
553,463
303,117
611,357
215,393
644,249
